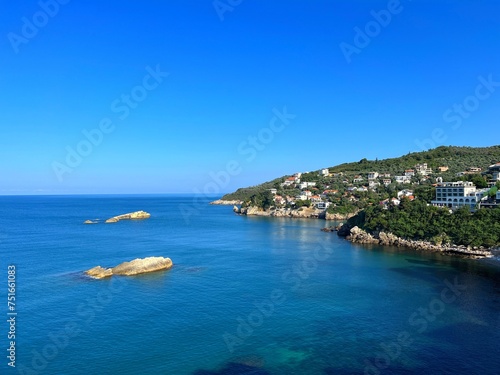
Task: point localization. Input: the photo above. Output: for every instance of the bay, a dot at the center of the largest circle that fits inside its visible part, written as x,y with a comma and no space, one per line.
246,295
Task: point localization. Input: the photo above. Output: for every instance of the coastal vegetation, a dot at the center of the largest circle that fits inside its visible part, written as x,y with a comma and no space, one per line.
416,220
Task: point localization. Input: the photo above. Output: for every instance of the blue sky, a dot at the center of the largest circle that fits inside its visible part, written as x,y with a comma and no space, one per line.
416,74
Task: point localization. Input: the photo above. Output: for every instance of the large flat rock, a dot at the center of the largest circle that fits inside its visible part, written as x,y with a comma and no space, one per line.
134,267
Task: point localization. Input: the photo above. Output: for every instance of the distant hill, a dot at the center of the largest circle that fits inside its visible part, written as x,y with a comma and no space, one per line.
458,159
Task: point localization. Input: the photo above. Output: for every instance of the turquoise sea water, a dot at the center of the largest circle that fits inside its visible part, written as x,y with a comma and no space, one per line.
246,296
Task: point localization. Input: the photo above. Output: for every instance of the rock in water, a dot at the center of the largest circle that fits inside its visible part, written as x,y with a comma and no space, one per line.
138,266
130,216
99,272
134,267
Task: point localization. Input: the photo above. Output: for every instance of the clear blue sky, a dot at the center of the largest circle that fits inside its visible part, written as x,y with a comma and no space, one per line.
226,80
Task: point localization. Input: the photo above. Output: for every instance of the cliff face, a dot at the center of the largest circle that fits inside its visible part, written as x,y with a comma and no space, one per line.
303,212
226,202
340,217
134,267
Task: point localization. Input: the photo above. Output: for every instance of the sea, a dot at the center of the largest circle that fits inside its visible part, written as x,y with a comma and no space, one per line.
246,295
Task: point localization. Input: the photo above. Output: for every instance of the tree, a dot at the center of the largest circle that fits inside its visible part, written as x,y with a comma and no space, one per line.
300,203
492,193
425,193
479,181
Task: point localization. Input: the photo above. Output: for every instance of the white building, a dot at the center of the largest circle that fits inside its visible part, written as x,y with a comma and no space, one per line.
304,185
423,169
405,193
325,172
395,201
402,179
290,181
372,175
322,205
457,194
409,173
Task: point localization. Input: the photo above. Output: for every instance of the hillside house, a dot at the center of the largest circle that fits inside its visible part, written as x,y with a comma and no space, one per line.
409,172
474,170
402,179
405,193
358,179
322,205
304,185
423,169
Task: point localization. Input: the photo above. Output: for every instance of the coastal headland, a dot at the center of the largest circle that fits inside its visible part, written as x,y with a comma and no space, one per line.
445,199
358,235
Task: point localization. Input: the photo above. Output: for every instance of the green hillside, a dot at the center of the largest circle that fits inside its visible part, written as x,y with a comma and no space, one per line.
458,159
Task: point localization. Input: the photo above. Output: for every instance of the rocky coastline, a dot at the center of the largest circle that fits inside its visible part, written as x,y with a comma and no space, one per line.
302,212
222,202
358,235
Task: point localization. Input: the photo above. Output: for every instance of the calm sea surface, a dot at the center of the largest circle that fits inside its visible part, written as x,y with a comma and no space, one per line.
246,295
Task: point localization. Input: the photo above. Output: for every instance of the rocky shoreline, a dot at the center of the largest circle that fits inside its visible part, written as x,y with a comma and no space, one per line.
222,202
302,212
358,235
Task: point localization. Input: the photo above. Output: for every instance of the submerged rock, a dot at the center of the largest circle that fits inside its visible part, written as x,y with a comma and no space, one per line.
134,267
99,272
